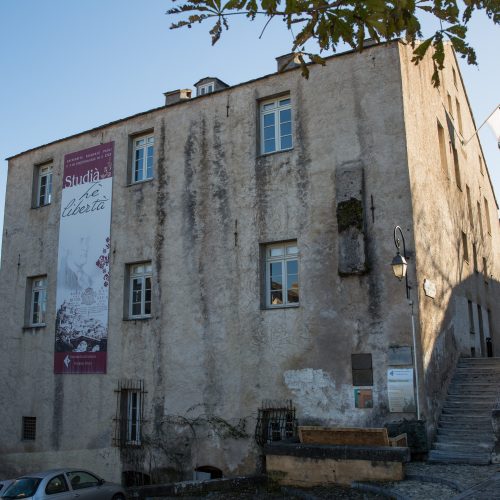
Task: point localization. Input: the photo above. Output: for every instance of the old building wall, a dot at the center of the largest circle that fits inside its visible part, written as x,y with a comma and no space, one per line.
211,352
440,200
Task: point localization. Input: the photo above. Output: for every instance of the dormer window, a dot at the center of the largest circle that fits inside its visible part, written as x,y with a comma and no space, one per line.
208,85
205,89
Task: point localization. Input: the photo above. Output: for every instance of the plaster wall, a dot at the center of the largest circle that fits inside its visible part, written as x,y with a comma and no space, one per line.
211,352
441,214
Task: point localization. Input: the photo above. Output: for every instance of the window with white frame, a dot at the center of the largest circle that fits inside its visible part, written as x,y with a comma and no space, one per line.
140,290
38,301
133,430
44,185
208,88
143,151
276,125
282,274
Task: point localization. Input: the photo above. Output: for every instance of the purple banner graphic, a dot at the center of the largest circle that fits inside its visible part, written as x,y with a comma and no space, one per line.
82,296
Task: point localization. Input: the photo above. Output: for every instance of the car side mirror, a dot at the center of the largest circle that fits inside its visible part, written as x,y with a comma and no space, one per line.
101,482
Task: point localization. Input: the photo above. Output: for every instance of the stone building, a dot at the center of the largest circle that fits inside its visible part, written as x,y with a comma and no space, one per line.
224,268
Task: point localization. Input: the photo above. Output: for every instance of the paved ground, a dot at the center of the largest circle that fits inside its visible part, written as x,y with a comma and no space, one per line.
447,482
424,482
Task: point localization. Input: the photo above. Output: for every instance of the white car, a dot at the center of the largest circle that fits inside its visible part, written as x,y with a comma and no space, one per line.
62,484
3,485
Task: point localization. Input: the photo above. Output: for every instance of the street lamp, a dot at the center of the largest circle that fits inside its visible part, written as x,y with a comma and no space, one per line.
399,268
399,264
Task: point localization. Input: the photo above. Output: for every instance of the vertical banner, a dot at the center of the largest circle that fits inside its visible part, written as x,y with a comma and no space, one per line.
83,261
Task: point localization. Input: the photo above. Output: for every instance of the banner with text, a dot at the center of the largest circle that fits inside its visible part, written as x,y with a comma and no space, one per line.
83,261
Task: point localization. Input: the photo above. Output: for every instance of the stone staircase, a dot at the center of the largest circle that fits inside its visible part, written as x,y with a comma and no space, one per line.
464,433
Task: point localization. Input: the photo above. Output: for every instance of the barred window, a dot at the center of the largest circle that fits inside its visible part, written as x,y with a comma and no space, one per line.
130,413
276,421
29,428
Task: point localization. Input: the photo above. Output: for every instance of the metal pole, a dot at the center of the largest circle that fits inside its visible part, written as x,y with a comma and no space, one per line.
414,335
415,358
464,143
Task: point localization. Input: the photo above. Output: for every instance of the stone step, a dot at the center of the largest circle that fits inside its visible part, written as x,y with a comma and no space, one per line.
470,398
479,378
438,456
468,384
464,405
466,359
466,418
478,369
461,431
491,392
473,440
462,448
478,381
478,411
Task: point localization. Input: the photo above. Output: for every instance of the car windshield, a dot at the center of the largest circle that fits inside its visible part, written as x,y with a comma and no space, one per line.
22,488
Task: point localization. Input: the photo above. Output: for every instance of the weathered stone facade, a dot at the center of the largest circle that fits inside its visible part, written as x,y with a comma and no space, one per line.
365,158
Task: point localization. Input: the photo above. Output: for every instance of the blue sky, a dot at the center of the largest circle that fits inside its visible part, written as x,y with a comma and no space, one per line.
70,66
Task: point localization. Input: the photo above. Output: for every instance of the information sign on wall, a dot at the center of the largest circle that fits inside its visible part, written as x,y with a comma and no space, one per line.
83,261
400,390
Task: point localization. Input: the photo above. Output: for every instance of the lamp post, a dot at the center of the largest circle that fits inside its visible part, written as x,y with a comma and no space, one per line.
399,268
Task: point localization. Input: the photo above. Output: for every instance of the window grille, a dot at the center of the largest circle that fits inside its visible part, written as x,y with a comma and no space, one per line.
129,413
276,421
29,428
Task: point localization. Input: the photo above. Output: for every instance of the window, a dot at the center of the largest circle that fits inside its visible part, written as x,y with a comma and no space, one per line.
362,369
140,290
133,417
481,167
276,421
282,274
80,479
465,247
276,125
485,269
29,428
480,216
471,318
454,77
38,301
442,149
487,215
469,206
481,325
459,117
43,185
142,168
474,257
457,168
130,407
56,485
450,106
208,88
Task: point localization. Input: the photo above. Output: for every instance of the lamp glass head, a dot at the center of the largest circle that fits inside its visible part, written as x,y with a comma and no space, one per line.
399,266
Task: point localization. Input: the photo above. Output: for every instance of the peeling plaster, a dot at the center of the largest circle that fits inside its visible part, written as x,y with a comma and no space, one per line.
314,390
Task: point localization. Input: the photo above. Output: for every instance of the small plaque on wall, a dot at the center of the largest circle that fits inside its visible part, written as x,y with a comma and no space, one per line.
429,288
363,398
399,356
